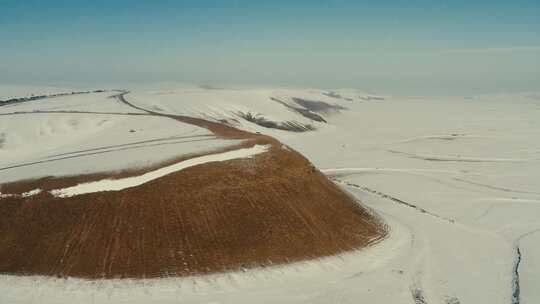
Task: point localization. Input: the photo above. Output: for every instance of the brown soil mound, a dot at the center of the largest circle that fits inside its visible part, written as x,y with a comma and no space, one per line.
272,209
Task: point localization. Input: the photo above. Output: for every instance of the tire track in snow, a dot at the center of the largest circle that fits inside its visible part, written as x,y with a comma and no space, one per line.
102,152
413,171
496,202
486,212
458,158
416,291
424,173
394,199
493,187
417,254
163,139
73,112
443,137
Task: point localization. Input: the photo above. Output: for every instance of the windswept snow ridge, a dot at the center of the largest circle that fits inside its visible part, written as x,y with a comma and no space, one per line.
123,183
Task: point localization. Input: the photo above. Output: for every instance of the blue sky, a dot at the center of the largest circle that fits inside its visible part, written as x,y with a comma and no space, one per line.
397,46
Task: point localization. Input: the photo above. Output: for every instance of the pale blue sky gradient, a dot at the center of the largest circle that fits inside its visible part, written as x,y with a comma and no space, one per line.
396,46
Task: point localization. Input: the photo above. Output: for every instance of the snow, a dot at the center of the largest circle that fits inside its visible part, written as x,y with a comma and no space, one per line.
24,194
34,145
475,162
6,195
31,193
468,171
89,102
129,182
226,104
18,90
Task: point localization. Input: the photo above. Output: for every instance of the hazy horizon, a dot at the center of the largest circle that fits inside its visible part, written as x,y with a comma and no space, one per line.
414,47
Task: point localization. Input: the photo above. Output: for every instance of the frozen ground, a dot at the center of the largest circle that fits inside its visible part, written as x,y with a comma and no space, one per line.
456,179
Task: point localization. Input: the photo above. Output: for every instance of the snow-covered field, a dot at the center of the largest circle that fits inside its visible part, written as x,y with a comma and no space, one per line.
457,180
90,133
18,91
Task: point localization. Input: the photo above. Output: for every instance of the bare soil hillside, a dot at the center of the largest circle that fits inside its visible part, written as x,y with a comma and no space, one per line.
271,209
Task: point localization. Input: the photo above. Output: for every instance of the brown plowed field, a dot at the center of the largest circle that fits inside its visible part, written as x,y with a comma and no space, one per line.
271,209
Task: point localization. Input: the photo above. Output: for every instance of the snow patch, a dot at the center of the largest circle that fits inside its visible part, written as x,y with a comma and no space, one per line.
31,192
4,195
129,182
24,194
